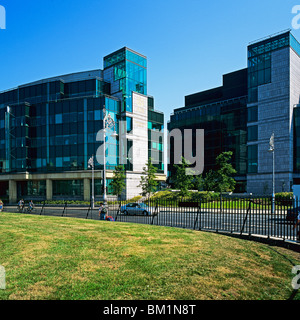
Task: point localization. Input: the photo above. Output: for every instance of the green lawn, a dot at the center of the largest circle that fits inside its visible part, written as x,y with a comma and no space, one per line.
63,258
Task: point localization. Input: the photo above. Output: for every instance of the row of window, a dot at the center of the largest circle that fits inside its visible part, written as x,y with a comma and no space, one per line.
60,188
269,45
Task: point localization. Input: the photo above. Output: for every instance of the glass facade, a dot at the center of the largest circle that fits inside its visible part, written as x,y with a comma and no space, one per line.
252,114
296,140
31,189
51,126
68,188
156,139
129,74
253,159
252,133
222,114
259,60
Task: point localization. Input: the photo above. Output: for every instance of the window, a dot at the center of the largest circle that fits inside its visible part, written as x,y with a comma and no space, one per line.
97,115
253,114
252,133
68,188
58,118
252,159
129,125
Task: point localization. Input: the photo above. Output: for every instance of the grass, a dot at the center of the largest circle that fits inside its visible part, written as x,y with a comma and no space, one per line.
63,258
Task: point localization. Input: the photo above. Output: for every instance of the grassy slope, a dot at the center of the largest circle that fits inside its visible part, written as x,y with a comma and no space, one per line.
61,258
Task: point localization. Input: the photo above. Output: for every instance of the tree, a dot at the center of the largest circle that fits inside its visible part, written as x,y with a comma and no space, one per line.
224,180
221,180
198,182
183,177
118,181
210,181
148,182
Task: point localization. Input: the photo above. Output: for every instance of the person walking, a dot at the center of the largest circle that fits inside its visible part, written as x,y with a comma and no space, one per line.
30,206
21,205
102,212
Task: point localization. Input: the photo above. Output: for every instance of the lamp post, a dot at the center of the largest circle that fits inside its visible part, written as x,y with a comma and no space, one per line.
91,165
108,123
272,149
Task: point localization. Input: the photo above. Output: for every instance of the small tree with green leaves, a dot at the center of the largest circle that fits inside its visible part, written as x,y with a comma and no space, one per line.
183,177
198,182
223,176
118,181
221,180
225,181
148,182
209,183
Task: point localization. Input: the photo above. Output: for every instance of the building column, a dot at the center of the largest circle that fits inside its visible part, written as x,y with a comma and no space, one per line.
12,191
86,190
49,189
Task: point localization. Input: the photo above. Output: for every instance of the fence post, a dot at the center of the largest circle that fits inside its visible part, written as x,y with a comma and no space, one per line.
198,213
119,211
88,211
246,217
43,206
155,213
65,208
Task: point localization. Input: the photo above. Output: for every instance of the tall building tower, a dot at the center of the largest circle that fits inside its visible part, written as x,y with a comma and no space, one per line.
273,98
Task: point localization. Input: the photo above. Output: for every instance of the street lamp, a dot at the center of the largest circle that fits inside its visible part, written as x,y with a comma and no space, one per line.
108,123
91,165
272,149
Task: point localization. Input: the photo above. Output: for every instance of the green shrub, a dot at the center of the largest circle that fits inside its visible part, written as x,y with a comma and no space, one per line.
284,198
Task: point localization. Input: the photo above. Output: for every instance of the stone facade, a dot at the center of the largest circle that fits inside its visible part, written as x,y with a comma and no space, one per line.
276,101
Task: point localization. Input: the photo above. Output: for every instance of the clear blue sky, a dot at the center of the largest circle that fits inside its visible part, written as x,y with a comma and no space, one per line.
190,44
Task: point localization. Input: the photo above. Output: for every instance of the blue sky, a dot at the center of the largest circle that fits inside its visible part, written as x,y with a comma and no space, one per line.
189,44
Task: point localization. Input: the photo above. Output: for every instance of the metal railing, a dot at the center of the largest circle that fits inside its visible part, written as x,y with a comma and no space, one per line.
241,216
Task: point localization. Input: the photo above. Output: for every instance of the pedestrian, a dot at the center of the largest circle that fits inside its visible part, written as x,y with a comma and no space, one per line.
295,226
31,206
1,205
21,205
102,212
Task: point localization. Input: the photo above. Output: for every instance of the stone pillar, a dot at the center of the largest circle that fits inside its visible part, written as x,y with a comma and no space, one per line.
49,189
86,189
12,191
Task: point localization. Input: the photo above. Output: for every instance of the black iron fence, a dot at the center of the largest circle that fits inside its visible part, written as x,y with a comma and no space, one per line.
244,216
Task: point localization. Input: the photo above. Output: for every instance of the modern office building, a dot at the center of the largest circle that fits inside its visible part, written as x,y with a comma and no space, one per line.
242,115
222,113
49,130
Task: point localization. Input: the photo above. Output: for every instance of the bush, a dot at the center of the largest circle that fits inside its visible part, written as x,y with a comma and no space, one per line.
205,196
284,198
135,199
165,195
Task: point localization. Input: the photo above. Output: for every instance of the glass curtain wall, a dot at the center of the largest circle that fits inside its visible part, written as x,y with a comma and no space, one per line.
259,62
129,74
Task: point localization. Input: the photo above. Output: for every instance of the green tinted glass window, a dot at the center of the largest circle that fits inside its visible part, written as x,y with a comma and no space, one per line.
253,114
252,159
252,133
